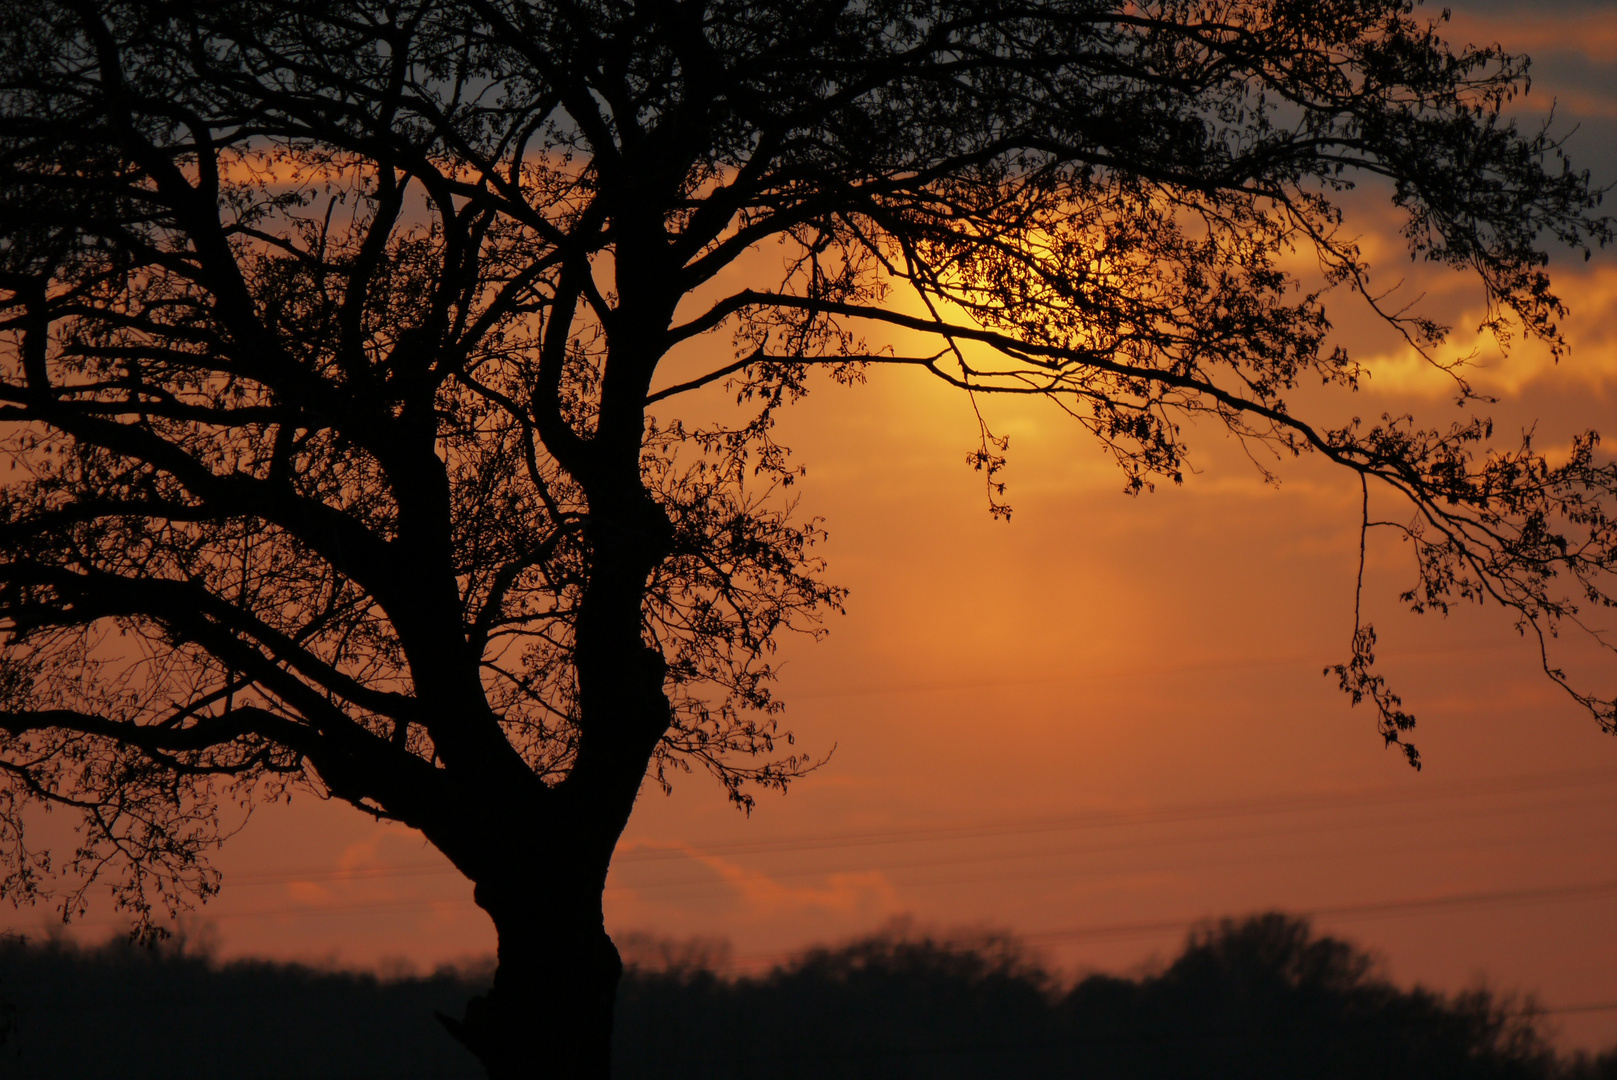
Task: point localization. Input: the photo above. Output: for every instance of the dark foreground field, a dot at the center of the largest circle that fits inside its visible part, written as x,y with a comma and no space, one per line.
1252,999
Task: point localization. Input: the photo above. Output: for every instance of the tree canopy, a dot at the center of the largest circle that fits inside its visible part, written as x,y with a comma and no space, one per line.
346,345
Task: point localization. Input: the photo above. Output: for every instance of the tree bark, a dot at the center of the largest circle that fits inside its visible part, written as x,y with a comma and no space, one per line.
548,1013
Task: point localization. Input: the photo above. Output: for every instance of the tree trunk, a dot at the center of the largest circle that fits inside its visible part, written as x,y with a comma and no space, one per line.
548,1015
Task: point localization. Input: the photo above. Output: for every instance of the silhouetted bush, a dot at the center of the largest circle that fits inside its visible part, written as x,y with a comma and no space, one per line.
1261,997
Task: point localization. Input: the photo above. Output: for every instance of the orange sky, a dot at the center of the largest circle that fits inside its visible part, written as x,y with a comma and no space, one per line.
1108,712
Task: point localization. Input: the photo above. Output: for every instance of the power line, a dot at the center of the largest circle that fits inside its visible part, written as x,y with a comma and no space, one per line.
443,869
1204,811
1131,845
666,887
1225,810
688,886
1063,873
1201,811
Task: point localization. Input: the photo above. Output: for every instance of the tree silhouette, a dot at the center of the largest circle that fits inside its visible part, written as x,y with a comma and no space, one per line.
346,436
1257,998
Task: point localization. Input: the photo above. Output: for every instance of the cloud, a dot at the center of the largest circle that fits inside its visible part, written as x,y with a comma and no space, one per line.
1590,294
842,893
1590,33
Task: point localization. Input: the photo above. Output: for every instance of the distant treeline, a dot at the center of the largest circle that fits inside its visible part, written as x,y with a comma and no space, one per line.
1250,999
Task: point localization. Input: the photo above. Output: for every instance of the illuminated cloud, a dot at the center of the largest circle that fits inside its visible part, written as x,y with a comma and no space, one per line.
1590,293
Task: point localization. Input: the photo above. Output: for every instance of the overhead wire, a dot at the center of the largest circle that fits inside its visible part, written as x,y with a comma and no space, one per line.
1222,811
1047,873
1133,845
1199,812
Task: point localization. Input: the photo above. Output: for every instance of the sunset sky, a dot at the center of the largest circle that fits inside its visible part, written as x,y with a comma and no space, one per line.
1105,719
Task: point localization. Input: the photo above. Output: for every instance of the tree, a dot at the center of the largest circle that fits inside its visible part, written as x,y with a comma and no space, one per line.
347,342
